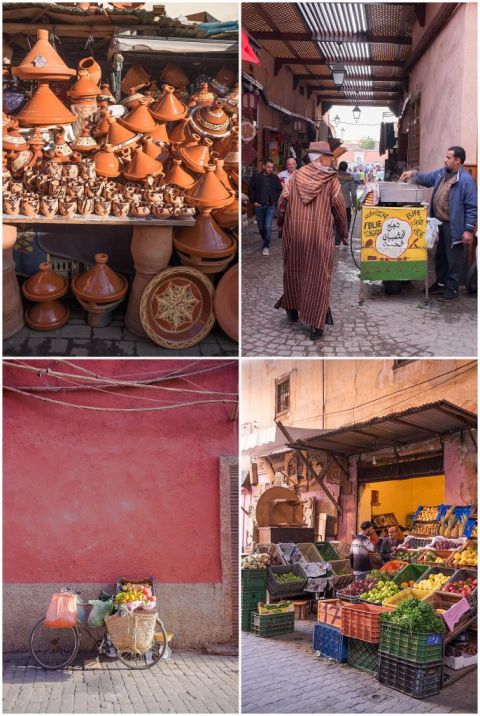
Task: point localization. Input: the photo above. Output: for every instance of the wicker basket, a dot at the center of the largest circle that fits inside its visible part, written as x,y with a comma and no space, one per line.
133,632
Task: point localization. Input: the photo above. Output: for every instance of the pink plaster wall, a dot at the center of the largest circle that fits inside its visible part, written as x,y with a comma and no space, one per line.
460,465
446,77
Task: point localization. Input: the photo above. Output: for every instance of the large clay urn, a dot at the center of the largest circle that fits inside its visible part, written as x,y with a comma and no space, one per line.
196,153
43,62
211,121
83,90
93,68
139,120
44,289
168,108
181,131
178,176
106,163
44,108
12,301
142,166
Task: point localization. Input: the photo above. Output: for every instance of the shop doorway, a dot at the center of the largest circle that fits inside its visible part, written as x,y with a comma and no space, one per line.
400,497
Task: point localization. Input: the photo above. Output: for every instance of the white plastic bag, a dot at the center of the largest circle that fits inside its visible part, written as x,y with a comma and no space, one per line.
431,235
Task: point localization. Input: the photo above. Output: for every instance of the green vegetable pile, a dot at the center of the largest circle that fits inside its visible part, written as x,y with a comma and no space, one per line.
288,577
382,576
415,616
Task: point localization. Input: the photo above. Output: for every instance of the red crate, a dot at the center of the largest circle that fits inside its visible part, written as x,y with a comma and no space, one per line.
362,621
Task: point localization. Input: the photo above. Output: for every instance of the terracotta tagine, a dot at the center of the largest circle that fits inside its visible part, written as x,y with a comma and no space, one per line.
99,284
227,216
106,163
120,137
101,128
84,90
14,141
85,143
151,148
221,174
174,75
44,109
44,289
225,302
224,145
136,77
139,120
232,158
43,62
196,153
209,191
168,108
133,99
203,97
105,94
232,100
160,135
12,301
204,246
178,176
142,166
92,68
181,131
211,121
226,76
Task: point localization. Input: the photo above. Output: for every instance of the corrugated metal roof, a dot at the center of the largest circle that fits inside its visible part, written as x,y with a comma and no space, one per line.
408,426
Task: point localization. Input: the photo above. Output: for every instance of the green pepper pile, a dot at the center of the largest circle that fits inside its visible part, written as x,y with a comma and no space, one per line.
415,616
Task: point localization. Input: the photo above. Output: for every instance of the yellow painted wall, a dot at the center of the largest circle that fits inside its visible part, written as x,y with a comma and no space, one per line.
401,496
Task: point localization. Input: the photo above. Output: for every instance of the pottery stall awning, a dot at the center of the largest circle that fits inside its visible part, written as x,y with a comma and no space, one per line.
392,431
373,41
147,45
270,440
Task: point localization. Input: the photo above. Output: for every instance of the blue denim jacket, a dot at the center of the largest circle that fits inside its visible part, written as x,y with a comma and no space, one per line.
462,200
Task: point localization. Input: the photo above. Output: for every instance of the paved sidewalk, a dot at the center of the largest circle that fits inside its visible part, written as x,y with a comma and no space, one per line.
190,683
400,325
282,675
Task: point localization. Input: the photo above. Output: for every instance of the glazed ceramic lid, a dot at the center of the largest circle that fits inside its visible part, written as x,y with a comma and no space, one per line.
43,62
106,163
176,308
204,96
209,191
139,119
120,137
168,108
196,153
83,87
178,176
206,239
44,108
142,166
226,302
44,285
99,284
211,121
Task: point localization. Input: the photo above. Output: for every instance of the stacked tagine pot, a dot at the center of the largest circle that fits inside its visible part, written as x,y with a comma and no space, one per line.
99,291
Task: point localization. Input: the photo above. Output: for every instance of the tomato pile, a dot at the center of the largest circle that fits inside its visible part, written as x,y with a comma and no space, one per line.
465,587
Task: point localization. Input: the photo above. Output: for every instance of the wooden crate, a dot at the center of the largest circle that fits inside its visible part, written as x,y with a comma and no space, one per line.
329,611
303,608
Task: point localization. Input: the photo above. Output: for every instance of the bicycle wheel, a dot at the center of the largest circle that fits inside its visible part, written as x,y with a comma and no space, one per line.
150,657
54,648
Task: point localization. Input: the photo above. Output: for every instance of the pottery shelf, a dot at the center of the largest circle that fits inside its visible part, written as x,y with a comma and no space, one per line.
98,220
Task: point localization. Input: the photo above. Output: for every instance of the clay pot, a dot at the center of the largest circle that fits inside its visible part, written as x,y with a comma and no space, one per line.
203,97
47,316
93,189
160,211
43,62
211,121
168,108
150,148
54,170
20,162
36,141
120,137
221,174
85,206
87,169
103,207
106,163
227,216
85,143
136,76
174,75
44,285
232,100
84,90
204,246
12,303
75,191
99,284
139,120
209,191
120,208
232,159
98,315
105,94
11,204
142,166
44,108
61,152
101,128
226,144
140,210
93,69
14,141
196,153
226,302
181,132
133,99
153,196
178,176
49,206
71,171
226,76
16,188
67,207
30,205
160,135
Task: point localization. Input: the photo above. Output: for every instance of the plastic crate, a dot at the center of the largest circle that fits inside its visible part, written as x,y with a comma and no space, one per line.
146,580
412,542
436,570
438,516
347,597
302,608
463,574
326,551
412,572
362,621
363,655
417,680
254,579
273,551
455,609
394,565
330,642
329,611
310,552
278,589
467,532
272,624
253,598
404,594
421,647
341,567
462,510
435,526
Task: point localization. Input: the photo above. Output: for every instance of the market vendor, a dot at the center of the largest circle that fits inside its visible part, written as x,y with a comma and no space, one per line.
389,544
361,550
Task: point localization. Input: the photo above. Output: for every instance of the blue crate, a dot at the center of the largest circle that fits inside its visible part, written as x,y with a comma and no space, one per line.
330,642
461,511
442,510
467,532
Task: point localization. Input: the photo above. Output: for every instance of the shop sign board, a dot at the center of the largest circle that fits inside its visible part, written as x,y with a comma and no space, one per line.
393,243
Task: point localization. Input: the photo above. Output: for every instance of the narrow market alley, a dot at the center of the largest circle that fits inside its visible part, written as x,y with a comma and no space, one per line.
312,684
384,325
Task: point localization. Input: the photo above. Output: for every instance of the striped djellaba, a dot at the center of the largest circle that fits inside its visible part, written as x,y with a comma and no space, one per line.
308,205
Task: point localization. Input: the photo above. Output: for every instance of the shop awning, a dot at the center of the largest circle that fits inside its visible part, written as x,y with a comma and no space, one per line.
412,425
270,439
145,45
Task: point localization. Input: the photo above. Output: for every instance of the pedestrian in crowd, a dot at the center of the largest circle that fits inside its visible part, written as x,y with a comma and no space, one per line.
307,208
390,543
349,191
356,175
454,203
361,175
264,190
361,550
290,166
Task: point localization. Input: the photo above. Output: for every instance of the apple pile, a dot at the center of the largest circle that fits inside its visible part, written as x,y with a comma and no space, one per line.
465,587
138,593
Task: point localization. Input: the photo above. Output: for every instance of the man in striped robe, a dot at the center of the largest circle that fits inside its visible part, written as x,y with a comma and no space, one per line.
307,207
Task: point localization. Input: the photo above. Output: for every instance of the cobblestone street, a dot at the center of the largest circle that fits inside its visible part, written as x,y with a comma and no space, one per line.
282,675
397,325
189,683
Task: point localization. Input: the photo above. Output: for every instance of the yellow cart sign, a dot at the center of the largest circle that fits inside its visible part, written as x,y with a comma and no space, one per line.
393,243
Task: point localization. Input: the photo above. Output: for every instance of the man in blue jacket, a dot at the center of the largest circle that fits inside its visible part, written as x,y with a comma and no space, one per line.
454,203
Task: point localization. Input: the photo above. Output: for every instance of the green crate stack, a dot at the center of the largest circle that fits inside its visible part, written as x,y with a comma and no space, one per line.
363,655
419,647
272,624
254,590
